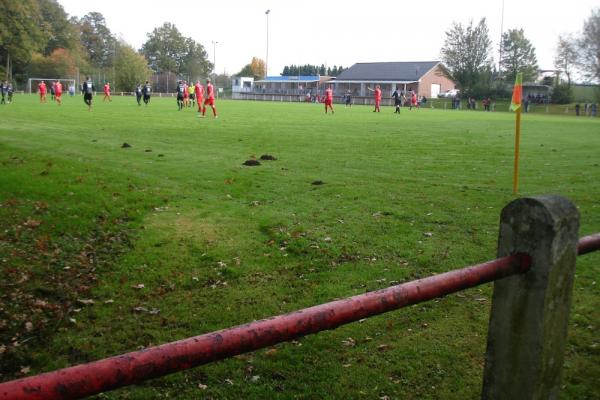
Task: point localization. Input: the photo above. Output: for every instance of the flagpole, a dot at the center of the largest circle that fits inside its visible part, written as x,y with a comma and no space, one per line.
515,105
517,145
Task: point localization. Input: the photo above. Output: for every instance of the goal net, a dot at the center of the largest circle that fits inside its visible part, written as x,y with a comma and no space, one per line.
32,84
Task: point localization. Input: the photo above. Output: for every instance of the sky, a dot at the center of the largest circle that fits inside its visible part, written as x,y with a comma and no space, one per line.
335,32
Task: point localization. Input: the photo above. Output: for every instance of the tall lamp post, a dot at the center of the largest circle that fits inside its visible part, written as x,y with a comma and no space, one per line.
214,43
267,60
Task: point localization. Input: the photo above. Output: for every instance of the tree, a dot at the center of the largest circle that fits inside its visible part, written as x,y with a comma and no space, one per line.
256,69
97,39
589,46
566,56
466,53
20,33
195,62
59,31
165,49
59,64
131,68
518,55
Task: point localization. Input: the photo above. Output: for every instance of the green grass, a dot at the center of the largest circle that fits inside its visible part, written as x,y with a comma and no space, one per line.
217,244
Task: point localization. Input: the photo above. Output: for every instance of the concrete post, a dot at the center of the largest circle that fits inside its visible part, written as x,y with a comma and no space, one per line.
530,312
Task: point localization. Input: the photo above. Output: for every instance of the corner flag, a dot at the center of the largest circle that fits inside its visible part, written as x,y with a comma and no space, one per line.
515,105
517,94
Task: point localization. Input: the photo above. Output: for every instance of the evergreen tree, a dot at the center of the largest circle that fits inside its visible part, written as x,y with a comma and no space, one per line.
518,55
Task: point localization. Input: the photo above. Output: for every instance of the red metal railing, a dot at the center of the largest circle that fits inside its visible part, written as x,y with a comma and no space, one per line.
111,373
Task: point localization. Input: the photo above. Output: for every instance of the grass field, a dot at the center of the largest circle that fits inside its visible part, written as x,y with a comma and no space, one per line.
105,249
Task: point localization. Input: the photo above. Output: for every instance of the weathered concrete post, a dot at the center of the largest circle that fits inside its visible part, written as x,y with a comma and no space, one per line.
530,312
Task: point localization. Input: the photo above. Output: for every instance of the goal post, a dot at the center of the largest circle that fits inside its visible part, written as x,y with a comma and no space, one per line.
32,84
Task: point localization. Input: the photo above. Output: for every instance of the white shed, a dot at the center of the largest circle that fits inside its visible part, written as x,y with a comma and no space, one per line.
241,84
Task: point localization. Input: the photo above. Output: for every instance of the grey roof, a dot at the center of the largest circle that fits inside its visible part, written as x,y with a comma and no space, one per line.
387,71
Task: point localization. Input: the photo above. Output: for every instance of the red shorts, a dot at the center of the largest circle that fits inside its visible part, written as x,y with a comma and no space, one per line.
328,102
57,95
209,101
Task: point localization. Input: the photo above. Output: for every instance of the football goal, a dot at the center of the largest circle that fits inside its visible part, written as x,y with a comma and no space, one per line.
32,84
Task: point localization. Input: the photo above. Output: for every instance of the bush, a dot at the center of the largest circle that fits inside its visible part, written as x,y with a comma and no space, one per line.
562,94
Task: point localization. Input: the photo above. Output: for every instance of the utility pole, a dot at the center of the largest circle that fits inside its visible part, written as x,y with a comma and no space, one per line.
267,60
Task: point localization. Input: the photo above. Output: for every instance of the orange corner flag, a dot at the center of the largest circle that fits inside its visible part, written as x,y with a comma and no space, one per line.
517,95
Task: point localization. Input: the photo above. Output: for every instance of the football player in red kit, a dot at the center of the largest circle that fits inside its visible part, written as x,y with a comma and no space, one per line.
199,95
329,99
106,92
42,89
58,92
210,99
377,94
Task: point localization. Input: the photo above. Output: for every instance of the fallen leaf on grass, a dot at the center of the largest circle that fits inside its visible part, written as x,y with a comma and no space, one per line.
32,223
86,302
139,286
349,342
28,326
229,381
270,352
25,370
201,386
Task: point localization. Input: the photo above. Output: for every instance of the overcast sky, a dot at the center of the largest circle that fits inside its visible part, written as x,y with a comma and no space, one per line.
336,32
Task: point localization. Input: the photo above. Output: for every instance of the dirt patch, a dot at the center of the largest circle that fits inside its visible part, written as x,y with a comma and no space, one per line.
317,183
251,163
125,145
267,157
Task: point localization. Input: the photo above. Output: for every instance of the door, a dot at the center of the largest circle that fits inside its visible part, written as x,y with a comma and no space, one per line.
435,90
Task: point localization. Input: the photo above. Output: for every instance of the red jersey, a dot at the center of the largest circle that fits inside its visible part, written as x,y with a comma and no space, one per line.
107,88
377,94
199,91
42,88
186,91
328,95
210,91
413,98
58,88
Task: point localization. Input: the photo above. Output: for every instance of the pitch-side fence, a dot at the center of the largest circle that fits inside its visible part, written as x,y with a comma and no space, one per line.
533,278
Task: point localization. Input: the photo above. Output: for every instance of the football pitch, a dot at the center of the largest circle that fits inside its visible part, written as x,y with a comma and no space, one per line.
127,227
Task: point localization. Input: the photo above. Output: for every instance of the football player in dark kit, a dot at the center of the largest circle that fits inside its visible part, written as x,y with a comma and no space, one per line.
146,91
138,94
88,91
180,93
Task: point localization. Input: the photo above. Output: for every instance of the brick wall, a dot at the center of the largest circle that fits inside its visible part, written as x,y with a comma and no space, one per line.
434,76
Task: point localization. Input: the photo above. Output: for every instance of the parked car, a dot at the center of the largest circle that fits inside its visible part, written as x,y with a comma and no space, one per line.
449,93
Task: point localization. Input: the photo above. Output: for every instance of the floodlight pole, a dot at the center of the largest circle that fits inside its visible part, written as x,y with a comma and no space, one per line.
214,43
501,38
267,60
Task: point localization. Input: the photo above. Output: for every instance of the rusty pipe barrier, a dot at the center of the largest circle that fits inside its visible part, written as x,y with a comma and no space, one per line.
135,367
587,244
